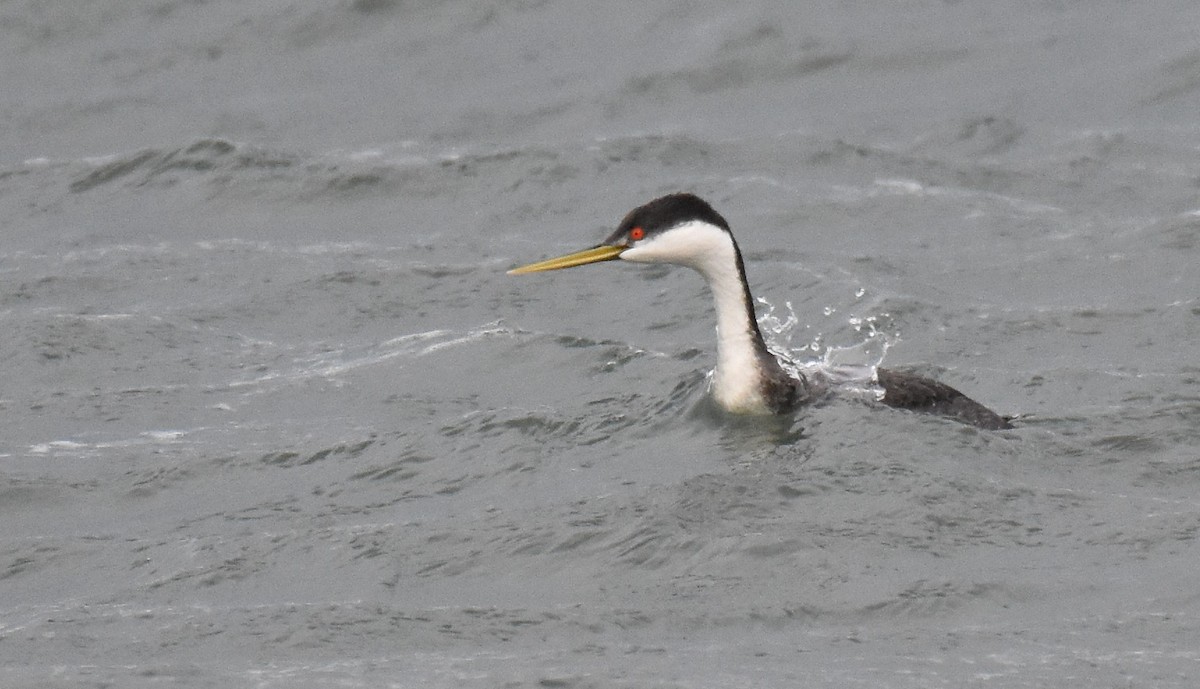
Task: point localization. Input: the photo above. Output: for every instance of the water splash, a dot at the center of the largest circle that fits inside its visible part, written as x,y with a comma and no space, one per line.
845,349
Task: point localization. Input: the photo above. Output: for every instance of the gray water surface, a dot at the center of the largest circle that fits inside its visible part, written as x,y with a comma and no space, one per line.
274,415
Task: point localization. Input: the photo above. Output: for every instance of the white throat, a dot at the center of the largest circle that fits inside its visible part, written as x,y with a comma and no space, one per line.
738,377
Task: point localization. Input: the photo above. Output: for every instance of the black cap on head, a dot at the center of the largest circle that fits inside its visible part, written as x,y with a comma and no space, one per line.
666,212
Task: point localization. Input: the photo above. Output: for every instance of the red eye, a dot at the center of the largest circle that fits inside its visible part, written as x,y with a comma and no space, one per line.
637,233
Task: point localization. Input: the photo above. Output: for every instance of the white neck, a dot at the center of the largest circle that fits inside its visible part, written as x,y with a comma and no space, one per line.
737,379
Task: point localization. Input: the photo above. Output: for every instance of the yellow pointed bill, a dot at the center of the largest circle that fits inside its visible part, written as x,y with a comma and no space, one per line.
579,258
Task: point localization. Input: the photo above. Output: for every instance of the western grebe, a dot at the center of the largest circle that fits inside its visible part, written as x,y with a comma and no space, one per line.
682,229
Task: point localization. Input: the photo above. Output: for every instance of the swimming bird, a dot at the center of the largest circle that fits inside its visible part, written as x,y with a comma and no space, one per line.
683,229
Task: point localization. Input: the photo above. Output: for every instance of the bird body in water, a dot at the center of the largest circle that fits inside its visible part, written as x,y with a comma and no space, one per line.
683,229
